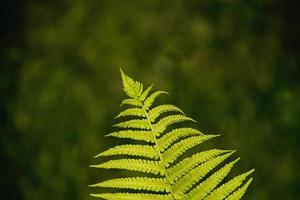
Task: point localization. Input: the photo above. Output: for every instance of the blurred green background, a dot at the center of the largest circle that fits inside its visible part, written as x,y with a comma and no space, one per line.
232,65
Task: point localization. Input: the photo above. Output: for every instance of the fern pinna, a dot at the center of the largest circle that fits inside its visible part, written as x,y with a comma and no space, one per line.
168,176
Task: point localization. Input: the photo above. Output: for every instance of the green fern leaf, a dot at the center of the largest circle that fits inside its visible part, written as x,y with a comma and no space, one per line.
186,165
137,183
134,135
238,194
146,166
179,148
196,174
223,191
132,150
132,196
158,110
135,123
204,188
163,124
146,93
171,175
132,102
169,138
150,100
132,88
132,112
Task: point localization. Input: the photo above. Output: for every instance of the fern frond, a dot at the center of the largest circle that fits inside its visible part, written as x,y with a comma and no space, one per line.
161,155
163,124
179,148
223,191
154,113
132,150
186,165
134,135
137,183
134,123
204,188
133,196
146,166
169,138
196,174
150,100
132,112
238,194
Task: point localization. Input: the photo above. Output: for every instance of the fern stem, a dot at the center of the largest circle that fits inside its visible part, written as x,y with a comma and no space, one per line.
158,151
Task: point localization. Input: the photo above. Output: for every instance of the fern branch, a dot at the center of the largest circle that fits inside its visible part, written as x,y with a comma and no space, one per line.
132,102
136,183
131,112
163,124
135,123
170,137
192,178
186,165
150,100
204,188
240,192
132,150
133,196
158,110
146,93
224,190
146,166
196,174
179,148
134,135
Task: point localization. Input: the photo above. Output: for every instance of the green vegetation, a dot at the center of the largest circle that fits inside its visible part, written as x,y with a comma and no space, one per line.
232,65
177,177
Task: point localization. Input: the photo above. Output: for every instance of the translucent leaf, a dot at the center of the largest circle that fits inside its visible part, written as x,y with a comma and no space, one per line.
134,135
132,88
137,183
135,123
132,112
132,150
240,192
163,124
196,174
133,196
146,166
186,165
179,148
224,190
204,188
177,177
132,102
145,93
150,100
169,138
157,111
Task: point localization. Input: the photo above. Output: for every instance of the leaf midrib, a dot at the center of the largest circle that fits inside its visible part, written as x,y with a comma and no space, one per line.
158,151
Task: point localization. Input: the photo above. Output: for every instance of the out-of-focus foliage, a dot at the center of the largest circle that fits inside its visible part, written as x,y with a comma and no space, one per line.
229,64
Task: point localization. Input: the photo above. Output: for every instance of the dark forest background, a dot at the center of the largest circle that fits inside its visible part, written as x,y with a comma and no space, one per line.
232,65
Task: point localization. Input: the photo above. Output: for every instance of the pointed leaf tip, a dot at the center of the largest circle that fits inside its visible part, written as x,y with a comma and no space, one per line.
121,71
131,87
123,75
236,160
